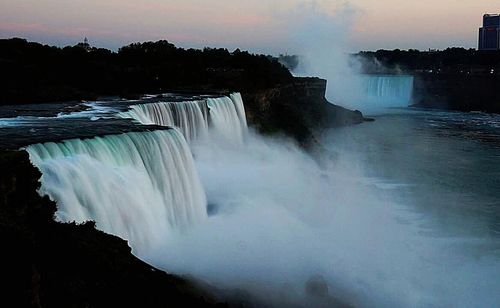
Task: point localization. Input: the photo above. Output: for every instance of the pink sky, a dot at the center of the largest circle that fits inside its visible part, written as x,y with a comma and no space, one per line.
257,25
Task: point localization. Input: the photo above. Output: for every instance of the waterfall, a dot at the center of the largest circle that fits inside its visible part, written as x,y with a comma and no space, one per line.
225,116
139,186
388,91
240,110
191,117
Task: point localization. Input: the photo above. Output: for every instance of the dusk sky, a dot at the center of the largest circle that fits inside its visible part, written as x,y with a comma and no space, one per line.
256,25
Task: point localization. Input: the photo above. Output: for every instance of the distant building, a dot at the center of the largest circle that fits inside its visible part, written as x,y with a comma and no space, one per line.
85,45
489,33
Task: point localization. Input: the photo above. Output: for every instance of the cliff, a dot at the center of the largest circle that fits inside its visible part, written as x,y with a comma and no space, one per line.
49,264
297,108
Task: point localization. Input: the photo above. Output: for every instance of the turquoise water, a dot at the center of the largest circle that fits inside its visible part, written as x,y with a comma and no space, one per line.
371,94
443,169
391,91
446,165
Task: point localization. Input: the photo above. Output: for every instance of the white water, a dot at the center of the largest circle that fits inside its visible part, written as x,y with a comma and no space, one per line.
372,94
140,186
240,110
96,110
93,111
191,117
225,115
278,220
388,91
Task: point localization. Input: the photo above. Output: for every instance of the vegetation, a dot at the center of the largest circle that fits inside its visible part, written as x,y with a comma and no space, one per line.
450,60
455,78
32,72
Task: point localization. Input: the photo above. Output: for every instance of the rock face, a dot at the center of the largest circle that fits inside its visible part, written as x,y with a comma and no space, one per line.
297,108
49,264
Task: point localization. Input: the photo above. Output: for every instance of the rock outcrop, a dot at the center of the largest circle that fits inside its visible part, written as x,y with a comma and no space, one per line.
297,108
49,264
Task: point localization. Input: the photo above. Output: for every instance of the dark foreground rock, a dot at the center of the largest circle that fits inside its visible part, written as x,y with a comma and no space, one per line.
44,263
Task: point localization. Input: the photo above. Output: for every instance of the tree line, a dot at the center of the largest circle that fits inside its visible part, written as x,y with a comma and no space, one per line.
32,72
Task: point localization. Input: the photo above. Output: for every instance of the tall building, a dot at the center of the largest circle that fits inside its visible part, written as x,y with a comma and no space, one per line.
489,33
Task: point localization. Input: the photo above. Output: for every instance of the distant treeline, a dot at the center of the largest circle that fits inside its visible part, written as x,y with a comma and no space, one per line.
451,60
32,72
454,78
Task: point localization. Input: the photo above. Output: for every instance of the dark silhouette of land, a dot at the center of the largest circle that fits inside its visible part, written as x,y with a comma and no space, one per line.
455,78
448,61
33,73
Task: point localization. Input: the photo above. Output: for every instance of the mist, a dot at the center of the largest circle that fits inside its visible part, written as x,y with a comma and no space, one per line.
369,222
280,222
321,36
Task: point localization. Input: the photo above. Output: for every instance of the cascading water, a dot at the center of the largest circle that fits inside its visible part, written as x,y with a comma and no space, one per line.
388,91
191,117
226,116
240,109
371,94
280,218
140,186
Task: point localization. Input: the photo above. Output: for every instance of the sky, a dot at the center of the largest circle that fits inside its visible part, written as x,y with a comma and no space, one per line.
266,26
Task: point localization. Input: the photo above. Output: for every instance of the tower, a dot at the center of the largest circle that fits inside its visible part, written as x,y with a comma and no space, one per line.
489,33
